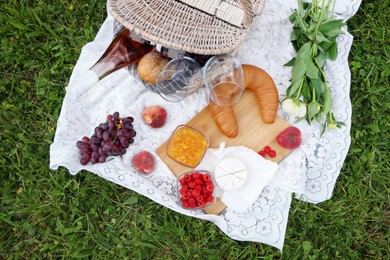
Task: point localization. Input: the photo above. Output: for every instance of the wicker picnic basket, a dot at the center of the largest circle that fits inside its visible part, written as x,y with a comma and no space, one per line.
206,27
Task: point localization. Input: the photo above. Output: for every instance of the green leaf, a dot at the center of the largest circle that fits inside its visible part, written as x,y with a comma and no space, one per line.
306,91
304,51
295,45
290,63
288,90
330,25
294,87
295,34
325,45
312,71
306,5
327,102
320,38
334,33
312,109
318,85
333,52
131,200
301,41
310,35
340,124
292,17
298,70
299,119
316,17
312,26
299,21
321,58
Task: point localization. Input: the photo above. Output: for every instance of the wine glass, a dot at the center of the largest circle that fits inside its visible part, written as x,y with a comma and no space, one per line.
223,77
179,79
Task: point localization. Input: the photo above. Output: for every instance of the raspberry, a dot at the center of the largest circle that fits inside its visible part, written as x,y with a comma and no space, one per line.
192,184
198,188
262,153
184,187
182,199
199,181
186,204
191,200
210,198
182,192
204,190
201,204
187,178
196,175
182,181
210,187
200,198
206,177
267,149
195,193
272,154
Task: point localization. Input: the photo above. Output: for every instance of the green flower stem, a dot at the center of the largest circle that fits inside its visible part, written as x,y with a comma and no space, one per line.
334,4
313,98
299,91
319,19
322,73
300,6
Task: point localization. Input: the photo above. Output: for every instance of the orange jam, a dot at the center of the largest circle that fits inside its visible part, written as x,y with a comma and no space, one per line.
187,146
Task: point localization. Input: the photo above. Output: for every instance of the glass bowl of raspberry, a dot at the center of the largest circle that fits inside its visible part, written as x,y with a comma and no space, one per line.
196,189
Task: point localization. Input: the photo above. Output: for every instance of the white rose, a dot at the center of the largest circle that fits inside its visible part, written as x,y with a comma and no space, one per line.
288,106
301,111
295,108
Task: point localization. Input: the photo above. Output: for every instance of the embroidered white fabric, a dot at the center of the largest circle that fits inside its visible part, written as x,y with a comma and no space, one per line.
310,171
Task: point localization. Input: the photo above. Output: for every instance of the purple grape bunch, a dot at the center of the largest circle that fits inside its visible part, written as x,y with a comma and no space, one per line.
109,139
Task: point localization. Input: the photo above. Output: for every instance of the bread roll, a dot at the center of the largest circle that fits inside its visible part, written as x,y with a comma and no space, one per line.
150,66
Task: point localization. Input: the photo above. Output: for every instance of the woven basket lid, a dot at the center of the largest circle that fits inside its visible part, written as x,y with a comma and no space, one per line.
208,27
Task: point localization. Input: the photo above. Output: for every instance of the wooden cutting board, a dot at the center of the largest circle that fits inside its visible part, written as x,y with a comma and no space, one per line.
253,133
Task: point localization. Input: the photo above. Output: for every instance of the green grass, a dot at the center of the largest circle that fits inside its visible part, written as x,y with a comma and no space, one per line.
52,214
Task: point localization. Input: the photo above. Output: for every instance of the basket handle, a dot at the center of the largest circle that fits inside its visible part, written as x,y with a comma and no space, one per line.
249,13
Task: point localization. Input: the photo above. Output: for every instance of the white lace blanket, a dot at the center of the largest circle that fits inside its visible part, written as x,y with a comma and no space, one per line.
309,172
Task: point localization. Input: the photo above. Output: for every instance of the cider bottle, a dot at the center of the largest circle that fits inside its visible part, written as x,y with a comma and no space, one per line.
122,52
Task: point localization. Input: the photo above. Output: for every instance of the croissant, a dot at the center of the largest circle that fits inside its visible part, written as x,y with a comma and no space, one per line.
261,83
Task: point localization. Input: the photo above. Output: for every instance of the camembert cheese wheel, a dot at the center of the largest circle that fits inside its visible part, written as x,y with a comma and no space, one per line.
230,174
